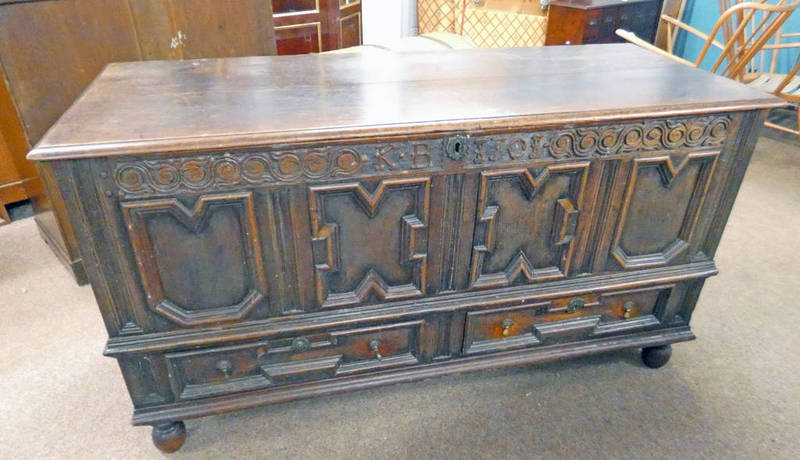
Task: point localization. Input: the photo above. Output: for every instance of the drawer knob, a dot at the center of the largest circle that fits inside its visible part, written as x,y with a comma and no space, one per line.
627,308
506,325
300,344
575,305
375,346
225,367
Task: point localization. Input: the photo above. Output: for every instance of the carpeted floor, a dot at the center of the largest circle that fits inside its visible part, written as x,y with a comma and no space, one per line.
733,393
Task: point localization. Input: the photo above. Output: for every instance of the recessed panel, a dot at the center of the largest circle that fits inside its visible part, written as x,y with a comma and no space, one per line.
201,270
369,240
664,197
199,263
527,224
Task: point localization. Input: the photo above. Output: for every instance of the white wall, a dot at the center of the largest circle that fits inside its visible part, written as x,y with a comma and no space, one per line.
385,21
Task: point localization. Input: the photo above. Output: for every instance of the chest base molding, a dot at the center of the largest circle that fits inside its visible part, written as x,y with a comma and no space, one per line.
213,406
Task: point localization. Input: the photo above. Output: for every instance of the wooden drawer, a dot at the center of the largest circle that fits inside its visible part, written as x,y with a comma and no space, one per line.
300,358
564,319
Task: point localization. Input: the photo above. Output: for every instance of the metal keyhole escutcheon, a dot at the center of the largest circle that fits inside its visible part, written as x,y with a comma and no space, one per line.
456,147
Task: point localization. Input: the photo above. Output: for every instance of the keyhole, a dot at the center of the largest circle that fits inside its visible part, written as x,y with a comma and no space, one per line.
456,148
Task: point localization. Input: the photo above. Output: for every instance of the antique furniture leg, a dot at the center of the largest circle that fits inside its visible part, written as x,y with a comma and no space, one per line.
655,357
169,437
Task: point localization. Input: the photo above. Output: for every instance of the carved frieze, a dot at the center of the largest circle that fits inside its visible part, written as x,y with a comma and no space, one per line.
226,170
632,137
215,171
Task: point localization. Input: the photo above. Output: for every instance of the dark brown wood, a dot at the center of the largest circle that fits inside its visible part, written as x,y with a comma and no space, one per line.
284,102
169,437
575,22
50,50
655,357
250,244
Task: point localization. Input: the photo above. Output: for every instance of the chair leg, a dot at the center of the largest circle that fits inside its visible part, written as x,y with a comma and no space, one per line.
797,112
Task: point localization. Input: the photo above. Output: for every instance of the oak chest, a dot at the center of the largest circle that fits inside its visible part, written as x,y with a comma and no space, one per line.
265,229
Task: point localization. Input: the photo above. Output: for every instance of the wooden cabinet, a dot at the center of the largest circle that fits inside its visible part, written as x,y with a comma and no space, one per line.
574,22
18,179
50,50
426,216
312,26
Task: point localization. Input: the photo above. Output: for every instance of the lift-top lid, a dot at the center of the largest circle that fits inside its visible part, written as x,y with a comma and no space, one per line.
170,106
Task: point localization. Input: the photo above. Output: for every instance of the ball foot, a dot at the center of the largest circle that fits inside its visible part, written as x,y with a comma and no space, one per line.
656,357
169,437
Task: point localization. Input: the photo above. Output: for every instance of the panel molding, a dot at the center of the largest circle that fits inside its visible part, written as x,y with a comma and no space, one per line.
326,242
668,168
564,226
194,219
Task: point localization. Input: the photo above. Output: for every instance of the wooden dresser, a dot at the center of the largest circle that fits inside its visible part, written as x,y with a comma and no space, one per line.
575,22
265,229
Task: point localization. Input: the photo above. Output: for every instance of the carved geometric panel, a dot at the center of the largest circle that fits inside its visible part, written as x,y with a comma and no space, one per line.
663,200
201,265
369,243
526,224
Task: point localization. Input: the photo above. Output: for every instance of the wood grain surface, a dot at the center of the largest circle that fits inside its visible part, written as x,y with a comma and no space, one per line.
143,107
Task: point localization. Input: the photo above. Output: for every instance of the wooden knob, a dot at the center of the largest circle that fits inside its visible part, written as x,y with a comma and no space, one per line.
375,346
506,325
225,367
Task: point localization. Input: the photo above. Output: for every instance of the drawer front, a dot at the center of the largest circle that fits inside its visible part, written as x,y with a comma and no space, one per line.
301,358
564,319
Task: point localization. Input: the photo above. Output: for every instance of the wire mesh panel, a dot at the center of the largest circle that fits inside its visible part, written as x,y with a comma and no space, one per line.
487,28
437,15
498,29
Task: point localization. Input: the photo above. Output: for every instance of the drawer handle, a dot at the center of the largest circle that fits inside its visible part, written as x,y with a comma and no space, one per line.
300,344
375,346
225,367
575,305
627,308
506,325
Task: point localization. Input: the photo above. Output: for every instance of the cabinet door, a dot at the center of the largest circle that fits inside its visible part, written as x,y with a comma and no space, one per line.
527,224
370,240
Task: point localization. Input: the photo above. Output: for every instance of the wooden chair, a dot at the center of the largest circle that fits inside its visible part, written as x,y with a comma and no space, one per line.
745,30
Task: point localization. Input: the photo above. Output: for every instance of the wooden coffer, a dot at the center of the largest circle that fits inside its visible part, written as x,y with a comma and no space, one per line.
266,229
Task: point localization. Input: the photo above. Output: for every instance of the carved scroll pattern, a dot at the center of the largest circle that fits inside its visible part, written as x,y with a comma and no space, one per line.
254,167
632,137
207,172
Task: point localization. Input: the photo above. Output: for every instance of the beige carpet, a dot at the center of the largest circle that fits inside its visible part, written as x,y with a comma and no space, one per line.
733,393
